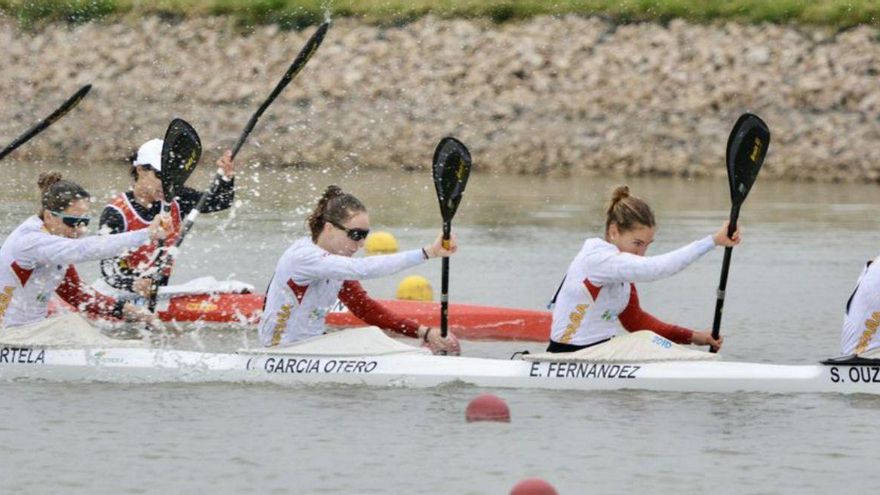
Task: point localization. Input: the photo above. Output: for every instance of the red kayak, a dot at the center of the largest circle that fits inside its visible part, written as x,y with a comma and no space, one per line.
467,321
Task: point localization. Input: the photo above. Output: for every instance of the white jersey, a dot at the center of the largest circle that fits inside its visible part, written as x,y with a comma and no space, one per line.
33,263
306,283
597,287
863,313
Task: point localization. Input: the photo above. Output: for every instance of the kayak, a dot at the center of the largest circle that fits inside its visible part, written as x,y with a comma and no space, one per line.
471,322
233,303
365,356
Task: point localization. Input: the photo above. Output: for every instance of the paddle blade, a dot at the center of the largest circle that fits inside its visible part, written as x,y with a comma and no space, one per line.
746,148
452,166
180,154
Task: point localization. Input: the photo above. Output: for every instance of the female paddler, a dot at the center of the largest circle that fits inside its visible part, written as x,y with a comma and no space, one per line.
38,256
128,275
862,317
316,270
599,287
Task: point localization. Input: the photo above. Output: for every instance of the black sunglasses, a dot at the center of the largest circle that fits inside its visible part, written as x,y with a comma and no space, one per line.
72,221
353,234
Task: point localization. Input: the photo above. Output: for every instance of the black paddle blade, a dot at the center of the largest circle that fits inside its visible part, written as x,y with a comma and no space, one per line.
746,148
180,154
452,166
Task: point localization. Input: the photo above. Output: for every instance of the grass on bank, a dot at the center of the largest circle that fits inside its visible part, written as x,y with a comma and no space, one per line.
297,14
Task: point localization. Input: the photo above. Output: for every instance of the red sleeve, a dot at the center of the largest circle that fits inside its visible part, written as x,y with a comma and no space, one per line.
633,318
356,299
84,298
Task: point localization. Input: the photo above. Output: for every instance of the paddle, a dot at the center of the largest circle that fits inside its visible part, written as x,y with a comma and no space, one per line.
42,125
298,63
181,151
452,166
746,149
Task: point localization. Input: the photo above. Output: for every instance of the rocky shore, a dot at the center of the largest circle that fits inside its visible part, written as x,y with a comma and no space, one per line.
565,97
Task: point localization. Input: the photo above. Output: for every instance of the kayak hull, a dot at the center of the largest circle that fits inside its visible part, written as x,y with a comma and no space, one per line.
140,365
471,322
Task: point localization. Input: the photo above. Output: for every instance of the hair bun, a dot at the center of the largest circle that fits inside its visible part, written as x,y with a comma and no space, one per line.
47,179
619,193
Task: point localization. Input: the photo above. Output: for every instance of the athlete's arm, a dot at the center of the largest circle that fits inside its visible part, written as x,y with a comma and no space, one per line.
625,267
633,319
46,248
364,307
85,299
333,267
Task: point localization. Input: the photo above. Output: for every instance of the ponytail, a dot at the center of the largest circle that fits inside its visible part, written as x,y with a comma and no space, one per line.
56,194
334,206
627,212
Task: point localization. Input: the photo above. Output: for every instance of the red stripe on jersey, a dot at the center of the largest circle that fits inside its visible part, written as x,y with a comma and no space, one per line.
23,274
298,290
594,290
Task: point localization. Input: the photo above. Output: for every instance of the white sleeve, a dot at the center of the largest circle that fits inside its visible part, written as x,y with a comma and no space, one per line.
334,267
625,267
46,248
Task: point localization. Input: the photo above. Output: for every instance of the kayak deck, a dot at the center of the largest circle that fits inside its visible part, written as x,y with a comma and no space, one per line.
140,365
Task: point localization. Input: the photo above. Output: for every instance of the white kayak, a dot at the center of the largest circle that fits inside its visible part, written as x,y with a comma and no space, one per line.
368,357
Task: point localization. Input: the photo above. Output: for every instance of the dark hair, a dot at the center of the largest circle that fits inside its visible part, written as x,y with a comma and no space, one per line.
627,211
56,194
132,168
334,206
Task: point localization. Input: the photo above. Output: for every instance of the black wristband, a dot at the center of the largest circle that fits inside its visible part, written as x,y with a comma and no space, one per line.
425,254
427,331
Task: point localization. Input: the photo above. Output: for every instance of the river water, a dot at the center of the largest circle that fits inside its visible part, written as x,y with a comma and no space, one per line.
804,246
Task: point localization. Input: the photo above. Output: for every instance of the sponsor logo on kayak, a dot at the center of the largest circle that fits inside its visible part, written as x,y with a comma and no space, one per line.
100,357
22,355
855,374
584,370
203,306
306,366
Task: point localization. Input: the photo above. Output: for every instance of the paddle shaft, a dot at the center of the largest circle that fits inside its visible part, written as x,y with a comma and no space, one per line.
51,119
725,268
444,283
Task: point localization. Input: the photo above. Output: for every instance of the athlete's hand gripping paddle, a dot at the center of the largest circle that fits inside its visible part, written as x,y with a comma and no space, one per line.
181,151
451,168
43,124
746,149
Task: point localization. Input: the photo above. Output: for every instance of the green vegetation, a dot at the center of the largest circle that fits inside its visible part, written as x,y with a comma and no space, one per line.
300,13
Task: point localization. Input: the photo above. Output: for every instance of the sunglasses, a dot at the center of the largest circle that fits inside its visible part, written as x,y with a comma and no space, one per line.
353,234
72,221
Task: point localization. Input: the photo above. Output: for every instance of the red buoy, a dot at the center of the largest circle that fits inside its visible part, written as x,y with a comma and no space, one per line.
487,407
533,486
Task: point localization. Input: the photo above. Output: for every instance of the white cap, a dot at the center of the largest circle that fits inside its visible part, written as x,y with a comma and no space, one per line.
150,153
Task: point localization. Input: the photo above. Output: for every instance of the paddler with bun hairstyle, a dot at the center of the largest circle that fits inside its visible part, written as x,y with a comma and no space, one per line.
316,270
599,287
128,275
37,258
862,317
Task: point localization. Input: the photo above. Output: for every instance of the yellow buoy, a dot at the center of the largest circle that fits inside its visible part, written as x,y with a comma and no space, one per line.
380,242
415,288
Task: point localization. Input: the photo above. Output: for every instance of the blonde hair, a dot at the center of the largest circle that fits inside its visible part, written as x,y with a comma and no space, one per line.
627,212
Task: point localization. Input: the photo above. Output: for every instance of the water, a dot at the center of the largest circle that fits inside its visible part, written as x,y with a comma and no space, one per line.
805,245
